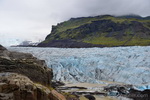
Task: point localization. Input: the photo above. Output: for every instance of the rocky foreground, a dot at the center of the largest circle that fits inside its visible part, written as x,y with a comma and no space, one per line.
25,64
18,87
109,92
24,77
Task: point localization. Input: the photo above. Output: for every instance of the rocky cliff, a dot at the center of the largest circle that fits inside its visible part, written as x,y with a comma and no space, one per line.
18,87
24,77
25,64
100,31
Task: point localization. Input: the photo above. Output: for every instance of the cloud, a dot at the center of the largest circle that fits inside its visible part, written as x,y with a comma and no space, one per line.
32,19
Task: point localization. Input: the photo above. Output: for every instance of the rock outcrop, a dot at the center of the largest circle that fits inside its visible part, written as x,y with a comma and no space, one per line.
24,77
25,64
68,43
128,91
2,48
18,87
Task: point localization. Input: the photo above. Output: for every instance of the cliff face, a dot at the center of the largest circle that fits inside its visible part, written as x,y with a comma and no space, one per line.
100,31
25,64
24,77
18,87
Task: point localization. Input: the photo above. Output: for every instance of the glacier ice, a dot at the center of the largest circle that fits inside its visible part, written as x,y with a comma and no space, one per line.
142,87
120,64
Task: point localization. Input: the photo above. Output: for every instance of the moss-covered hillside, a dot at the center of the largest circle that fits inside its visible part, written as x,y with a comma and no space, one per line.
99,31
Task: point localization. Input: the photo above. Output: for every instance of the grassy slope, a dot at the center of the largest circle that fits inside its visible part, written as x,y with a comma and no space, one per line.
70,30
74,23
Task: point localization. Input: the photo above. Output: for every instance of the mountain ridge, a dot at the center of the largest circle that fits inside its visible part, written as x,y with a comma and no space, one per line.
100,31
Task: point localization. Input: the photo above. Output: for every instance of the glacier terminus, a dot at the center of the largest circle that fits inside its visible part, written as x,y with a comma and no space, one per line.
130,65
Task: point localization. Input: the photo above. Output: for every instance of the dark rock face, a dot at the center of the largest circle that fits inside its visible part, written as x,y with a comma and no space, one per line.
68,44
18,87
2,48
25,64
139,95
90,97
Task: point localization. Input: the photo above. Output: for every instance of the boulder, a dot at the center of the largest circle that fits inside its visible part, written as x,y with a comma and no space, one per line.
90,97
14,86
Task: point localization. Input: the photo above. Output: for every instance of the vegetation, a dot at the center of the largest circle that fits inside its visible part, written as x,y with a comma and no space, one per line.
104,30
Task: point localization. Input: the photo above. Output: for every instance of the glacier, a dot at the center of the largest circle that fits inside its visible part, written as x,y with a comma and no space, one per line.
130,65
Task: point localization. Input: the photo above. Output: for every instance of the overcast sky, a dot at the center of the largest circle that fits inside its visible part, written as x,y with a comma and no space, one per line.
32,19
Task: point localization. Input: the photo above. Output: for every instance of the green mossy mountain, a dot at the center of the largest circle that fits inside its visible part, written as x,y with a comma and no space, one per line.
100,31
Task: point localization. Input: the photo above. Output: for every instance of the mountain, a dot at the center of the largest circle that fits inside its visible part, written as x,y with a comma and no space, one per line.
100,31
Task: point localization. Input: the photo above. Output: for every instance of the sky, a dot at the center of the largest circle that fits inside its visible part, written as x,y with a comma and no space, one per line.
31,20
